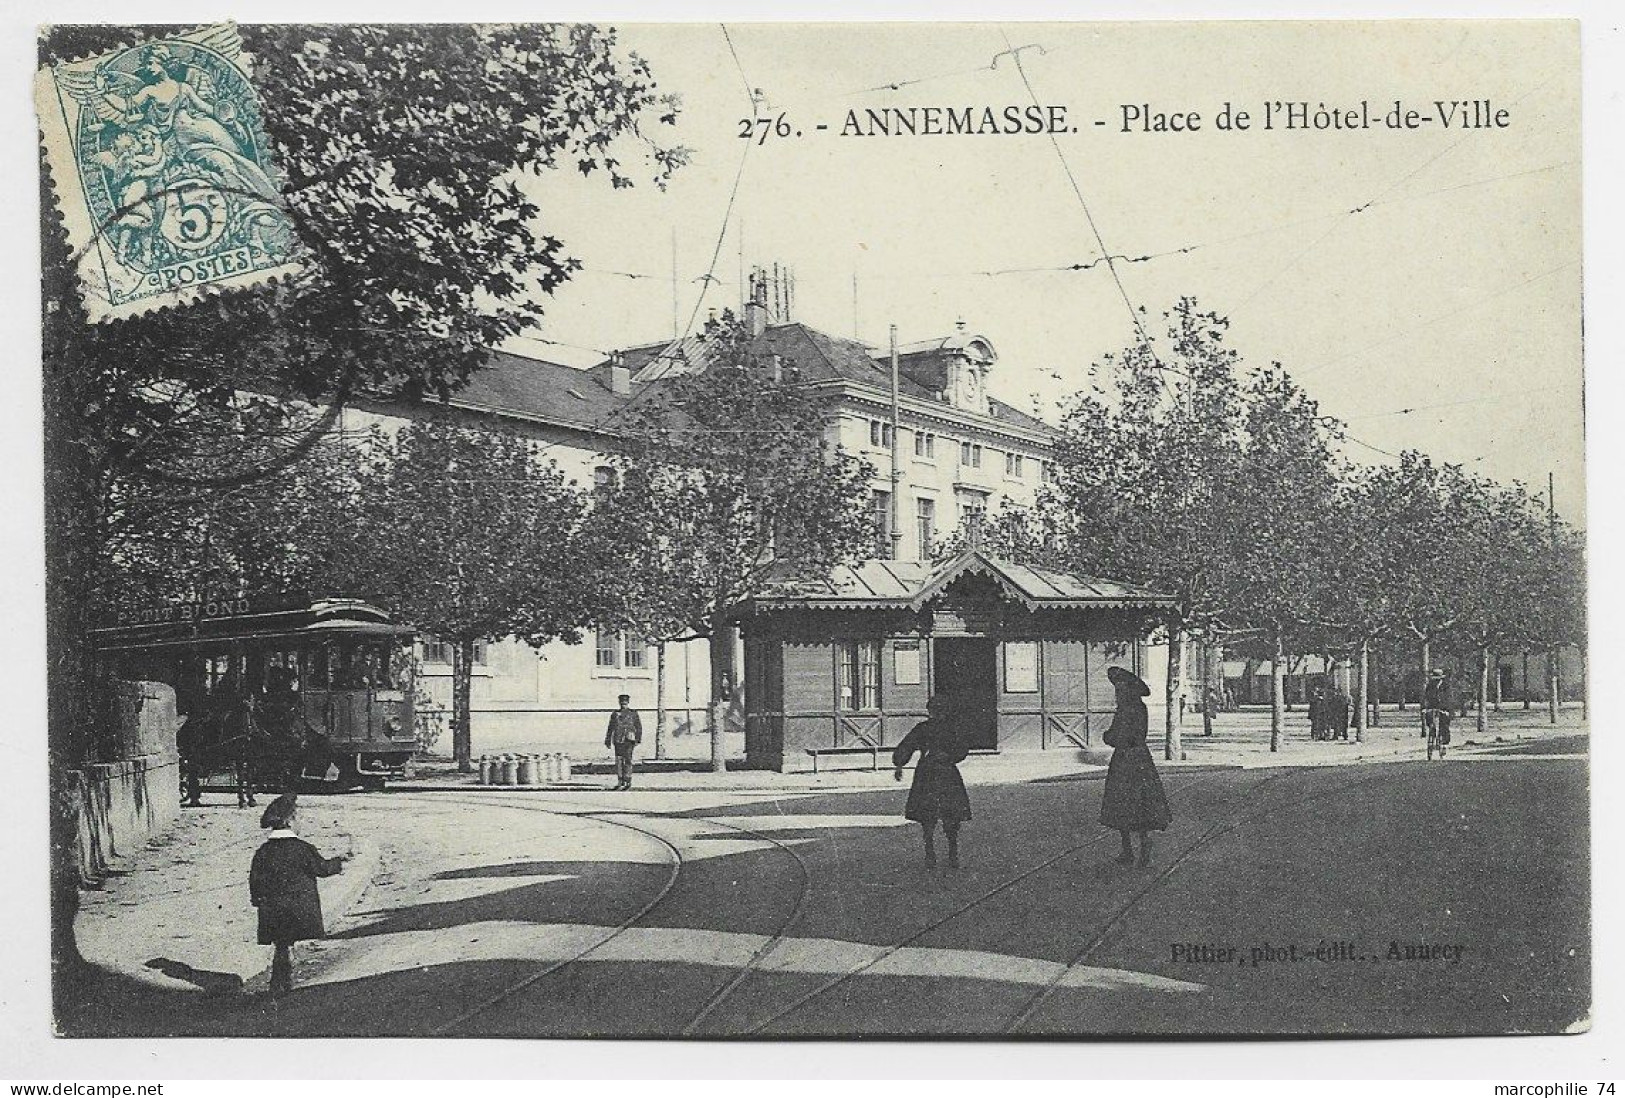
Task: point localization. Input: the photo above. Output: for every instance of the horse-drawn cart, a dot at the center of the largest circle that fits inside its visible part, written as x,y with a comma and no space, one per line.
312,692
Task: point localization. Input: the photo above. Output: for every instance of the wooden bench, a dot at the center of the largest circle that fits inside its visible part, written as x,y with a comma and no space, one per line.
874,754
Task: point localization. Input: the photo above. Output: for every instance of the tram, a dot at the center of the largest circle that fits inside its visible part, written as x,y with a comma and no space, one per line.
306,691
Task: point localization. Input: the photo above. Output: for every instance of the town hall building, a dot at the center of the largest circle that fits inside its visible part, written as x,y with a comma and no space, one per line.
961,452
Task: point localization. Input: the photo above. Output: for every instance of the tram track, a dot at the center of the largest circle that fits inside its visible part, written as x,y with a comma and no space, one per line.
676,867
602,814
1206,839
896,947
606,814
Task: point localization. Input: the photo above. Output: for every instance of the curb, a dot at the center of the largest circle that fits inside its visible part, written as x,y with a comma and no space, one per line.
234,961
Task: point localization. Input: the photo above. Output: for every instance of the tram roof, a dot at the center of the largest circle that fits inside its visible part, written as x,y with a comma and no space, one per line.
193,625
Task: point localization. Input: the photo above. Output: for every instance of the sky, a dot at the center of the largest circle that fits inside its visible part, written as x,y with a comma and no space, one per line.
1444,315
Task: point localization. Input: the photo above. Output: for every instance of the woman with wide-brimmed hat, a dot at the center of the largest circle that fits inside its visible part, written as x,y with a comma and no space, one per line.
1134,799
938,792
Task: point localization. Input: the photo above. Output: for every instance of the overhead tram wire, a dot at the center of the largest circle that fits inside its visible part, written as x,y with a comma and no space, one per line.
1453,403
710,275
1186,249
1106,253
1480,301
1379,199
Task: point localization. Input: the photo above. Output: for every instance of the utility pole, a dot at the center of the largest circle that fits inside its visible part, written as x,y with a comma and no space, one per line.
1553,681
857,334
896,468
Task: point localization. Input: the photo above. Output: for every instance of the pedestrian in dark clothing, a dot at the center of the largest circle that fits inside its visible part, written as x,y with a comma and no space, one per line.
624,734
938,792
282,884
1338,705
1318,723
1134,799
1439,695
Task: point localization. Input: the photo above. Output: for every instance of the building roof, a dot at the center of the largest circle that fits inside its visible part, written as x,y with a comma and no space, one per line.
960,342
910,585
534,388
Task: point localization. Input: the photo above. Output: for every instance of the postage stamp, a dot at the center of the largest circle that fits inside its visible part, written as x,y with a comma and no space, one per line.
163,176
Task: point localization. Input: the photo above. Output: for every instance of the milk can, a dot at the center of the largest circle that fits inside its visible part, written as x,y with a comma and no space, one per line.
527,770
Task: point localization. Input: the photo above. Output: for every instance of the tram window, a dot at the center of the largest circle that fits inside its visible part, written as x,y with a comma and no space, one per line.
215,671
315,668
280,678
369,667
346,669
397,659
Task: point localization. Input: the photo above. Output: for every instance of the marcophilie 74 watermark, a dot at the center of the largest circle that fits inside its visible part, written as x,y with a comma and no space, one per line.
162,173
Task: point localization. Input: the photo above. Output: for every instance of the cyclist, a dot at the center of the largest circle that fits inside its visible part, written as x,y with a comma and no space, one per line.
1438,703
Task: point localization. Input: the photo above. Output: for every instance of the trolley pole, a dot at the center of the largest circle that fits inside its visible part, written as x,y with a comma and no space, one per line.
896,470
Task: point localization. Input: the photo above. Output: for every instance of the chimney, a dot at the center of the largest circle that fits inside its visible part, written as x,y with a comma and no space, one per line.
620,377
756,308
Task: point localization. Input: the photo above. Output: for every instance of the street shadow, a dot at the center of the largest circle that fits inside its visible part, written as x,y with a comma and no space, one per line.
1562,745
211,983
617,885
507,869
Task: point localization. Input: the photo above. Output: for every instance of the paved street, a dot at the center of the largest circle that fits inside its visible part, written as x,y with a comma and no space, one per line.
1443,897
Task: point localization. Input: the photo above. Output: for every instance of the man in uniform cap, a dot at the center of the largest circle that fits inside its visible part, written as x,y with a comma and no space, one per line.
282,884
624,734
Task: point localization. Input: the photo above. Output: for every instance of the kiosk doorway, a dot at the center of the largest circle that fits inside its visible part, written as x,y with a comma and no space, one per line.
965,670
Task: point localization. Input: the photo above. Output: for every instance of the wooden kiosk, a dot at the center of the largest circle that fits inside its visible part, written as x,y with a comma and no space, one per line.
846,666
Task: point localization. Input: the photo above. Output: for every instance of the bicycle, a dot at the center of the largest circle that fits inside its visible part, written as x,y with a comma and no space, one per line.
1436,723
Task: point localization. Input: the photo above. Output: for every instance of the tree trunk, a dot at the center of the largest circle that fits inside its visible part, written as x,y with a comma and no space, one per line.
1526,678
1362,691
74,548
1376,689
660,700
721,645
1427,668
1211,690
462,684
1277,690
1551,685
1495,682
1483,689
1585,683
1171,749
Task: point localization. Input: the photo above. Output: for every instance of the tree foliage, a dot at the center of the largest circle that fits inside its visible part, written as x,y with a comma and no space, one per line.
1147,468
467,535
1186,471
726,481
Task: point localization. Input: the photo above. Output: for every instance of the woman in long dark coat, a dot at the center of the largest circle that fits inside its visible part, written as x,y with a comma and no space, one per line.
1134,799
938,792
282,884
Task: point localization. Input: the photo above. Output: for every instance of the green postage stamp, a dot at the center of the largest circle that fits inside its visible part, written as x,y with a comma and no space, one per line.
163,176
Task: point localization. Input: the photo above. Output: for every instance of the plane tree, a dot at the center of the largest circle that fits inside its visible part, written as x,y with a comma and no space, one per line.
727,481
407,156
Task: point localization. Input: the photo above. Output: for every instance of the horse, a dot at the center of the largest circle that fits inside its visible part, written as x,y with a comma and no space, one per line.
217,739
